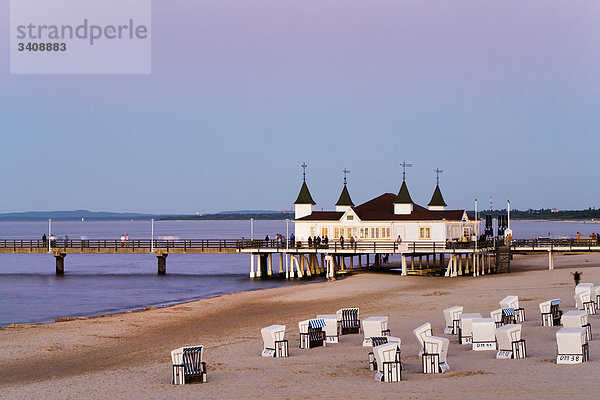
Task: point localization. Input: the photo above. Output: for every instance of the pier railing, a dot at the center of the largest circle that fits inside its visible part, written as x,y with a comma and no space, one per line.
239,244
549,244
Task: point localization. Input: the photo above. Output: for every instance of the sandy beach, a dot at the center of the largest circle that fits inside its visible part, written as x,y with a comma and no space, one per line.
128,355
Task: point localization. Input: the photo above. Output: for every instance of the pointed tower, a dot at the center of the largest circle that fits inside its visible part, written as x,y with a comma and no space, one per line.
437,202
344,203
403,203
304,204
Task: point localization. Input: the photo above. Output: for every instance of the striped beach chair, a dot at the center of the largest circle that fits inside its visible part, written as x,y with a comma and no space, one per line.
349,320
312,333
188,365
508,316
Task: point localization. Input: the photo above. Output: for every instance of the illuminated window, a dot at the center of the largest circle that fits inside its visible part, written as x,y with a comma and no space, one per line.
324,231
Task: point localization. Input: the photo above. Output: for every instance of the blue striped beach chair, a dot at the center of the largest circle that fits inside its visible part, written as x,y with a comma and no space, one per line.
349,320
508,316
188,365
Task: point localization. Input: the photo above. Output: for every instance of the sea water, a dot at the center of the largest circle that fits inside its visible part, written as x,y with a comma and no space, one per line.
30,291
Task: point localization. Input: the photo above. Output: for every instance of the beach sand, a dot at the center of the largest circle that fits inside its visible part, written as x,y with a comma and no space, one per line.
128,355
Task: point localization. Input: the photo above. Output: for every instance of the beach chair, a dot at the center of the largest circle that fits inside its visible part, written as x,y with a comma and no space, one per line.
596,296
376,341
496,315
484,334
452,317
513,302
582,288
510,344
374,327
584,301
465,328
551,312
188,365
577,319
572,346
433,350
274,345
389,366
332,328
349,320
311,333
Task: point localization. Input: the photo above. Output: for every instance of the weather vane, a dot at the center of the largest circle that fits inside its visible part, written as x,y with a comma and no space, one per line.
345,171
304,171
404,166
438,171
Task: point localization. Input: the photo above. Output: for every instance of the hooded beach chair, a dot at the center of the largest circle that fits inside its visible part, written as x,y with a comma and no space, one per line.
376,341
465,328
513,302
572,346
433,350
349,320
274,345
584,301
510,344
374,327
188,365
582,288
452,317
484,334
577,319
596,296
551,312
332,328
311,333
496,315
389,366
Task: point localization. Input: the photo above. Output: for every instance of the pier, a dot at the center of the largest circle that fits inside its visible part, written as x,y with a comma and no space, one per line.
296,259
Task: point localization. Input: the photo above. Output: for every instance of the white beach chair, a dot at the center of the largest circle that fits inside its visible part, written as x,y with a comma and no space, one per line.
572,346
581,288
188,365
584,301
311,333
433,350
465,327
452,317
374,327
551,313
389,366
596,296
376,341
496,315
484,334
577,319
274,345
332,328
349,319
510,344
513,302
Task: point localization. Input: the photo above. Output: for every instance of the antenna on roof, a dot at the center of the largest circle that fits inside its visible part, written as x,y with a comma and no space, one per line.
345,171
438,171
404,165
304,171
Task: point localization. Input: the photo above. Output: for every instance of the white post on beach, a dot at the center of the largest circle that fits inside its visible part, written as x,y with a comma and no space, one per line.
49,233
508,208
251,228
152,237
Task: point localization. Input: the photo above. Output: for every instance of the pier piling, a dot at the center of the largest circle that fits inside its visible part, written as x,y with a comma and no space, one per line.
60,263
162,263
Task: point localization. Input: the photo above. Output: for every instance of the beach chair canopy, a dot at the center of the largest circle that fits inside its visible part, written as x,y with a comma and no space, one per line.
466,323
272,333
510,302
374,326
484,330
574,319
452,314
571,340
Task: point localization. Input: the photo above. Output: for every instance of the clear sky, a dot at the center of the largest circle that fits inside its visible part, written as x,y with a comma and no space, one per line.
504,96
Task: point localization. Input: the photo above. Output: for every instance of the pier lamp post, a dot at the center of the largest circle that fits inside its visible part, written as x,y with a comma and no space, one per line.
287,247
152,237
475,260
251,228
49,233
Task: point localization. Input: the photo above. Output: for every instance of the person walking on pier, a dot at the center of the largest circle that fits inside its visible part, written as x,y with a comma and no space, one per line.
44,240
292,240
310,241
578,236
342,241
122,240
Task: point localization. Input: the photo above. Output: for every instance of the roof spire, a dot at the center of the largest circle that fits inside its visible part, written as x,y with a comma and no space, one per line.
404,165
438,171
304,171
345,171
345,199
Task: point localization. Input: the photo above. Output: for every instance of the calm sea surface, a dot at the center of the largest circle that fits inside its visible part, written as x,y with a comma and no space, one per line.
30,292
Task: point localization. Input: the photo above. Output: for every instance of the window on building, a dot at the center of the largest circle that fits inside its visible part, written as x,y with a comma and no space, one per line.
354,231
336,232
424,233
350,217
324,231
